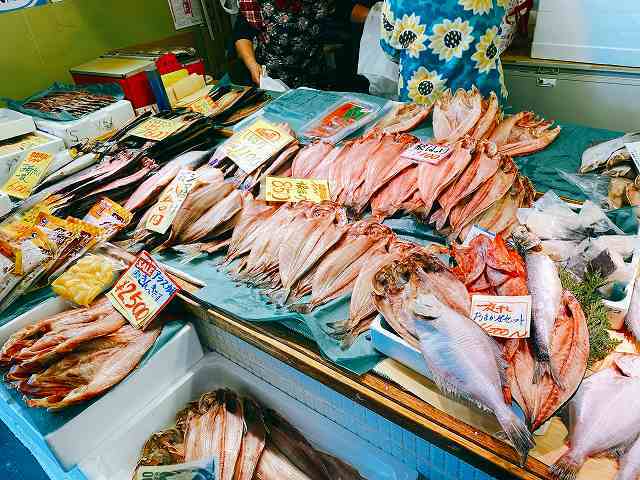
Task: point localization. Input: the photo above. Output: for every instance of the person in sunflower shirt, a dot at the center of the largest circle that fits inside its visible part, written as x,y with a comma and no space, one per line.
444,44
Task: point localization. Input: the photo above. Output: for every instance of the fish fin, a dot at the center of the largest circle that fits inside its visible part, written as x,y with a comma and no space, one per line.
516,431
541,368
566,468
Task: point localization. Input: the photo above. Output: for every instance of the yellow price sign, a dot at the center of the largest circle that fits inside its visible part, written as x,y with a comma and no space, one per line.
27,174
285,189
205,106
156,128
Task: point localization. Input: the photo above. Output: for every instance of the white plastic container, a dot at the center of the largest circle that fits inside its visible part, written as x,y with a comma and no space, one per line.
116,457
93,125
11,152
13,124
588,31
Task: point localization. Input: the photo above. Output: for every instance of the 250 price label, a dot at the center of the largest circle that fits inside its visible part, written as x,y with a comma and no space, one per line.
142,291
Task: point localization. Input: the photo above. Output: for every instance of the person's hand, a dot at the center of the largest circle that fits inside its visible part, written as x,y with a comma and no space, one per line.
256,72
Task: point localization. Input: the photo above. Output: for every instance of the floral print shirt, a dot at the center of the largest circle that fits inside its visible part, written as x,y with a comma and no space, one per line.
444,44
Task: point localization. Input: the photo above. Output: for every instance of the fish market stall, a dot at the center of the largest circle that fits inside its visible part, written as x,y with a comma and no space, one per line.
434,284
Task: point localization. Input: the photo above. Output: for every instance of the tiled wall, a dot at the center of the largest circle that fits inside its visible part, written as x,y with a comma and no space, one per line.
431,462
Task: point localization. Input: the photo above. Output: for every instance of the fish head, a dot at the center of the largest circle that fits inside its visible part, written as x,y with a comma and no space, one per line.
392,278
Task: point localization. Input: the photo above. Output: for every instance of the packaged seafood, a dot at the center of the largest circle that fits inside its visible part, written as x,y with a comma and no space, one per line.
340,120
84,281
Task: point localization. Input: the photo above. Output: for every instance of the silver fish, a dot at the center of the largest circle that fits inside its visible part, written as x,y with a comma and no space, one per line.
597,156
546,295
632,319
604,415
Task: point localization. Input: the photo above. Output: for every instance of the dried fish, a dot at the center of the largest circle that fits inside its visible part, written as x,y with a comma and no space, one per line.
454,116
403,118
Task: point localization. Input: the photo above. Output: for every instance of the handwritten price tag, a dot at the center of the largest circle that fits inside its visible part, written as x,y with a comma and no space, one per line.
166,208
428,152
254,145
27,174
502,316
156,128
285,189
142,291
205,106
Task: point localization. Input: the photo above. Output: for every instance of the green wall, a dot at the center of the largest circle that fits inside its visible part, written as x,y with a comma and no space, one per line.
40,44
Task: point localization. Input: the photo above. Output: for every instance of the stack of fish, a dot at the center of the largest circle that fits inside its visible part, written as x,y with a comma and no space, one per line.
477,183
613,159
75,102
245,441
74,356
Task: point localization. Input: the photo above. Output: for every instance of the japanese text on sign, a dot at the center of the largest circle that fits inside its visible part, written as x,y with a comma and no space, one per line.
427,152
254,145
142,291
156,128
502,316
166,208
27,174
284,189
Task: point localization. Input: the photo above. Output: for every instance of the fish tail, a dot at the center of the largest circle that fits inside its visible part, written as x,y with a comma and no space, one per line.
541,368
516,431
557,379
566,468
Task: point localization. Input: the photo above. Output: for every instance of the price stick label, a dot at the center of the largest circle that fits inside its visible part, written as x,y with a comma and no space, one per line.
502,316
254,145
428,152
634,151
156,128
196,470
27,174
285,189
142,291
166,208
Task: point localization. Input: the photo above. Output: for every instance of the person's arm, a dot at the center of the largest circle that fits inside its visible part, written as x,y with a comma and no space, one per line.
243,35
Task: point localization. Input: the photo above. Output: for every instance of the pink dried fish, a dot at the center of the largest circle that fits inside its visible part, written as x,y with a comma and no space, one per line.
454,116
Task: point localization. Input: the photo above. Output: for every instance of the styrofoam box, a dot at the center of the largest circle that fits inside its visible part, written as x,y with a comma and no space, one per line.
116,457
582,31
95,124
84,434
51,144
13,124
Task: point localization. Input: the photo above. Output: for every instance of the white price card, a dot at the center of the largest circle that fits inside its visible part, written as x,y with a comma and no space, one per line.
428,152
142,291
196,470
634,151
164,211
502,316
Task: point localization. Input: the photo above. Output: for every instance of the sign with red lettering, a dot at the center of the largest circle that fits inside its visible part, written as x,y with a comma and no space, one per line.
502,316
142,291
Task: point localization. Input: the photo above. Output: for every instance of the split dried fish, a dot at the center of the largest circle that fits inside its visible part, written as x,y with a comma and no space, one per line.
403,118
454,116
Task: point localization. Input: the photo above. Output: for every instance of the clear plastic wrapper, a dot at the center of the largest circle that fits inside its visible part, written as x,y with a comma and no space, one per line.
594,186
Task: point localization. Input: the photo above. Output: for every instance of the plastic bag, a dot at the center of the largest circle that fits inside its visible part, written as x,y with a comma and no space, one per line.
373,63
595,187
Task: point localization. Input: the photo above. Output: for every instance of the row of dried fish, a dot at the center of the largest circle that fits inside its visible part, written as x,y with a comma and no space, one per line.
75,102
246,441
477,183
74,356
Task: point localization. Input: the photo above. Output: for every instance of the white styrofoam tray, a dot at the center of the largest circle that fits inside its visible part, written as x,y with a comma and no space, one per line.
13,124
93,125
8,162
83,434
117,456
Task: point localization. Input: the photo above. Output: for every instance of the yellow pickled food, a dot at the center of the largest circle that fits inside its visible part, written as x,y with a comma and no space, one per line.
85,280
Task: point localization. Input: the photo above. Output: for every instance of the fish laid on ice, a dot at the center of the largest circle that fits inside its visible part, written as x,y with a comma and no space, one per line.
433,179
403,117
604,416
546,296
484,165
454,116
94,366
599,155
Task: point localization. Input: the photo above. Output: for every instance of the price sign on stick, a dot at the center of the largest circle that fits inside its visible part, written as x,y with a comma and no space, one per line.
142,291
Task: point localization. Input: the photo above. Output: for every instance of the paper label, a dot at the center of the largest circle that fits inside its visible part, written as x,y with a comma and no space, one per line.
285,189
205,106
427,152
502,316
28,174
254,145
142,291
165,210
26,142
108,215
196,470
634,151
474,232
156,128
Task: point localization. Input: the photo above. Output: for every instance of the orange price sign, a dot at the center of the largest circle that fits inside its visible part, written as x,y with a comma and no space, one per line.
142,291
